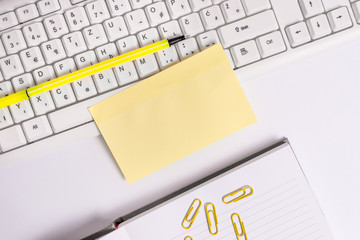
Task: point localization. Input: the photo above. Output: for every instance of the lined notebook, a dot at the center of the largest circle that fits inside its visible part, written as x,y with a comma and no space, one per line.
281,206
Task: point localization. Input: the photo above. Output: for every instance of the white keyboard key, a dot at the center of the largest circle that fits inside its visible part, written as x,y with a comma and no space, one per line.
136,21
339,19
105,80
126,73
23,82
212,17
356,9
5,118
11,138
63,95
8,20
228,54
2,50
1,77
53,51
27,13
245,53
148,37
6,89
187,48
84,88
106,52
42,103
147,65
74,43
115,28
255,6
233,10
247,28
21,111
37,128
170,29
271,44
64,67
311,7
319,26
191,24
44,74
76,18
178,8
139,3
11,66
167,57
118,7
56,26
48,6
76,1
97,11
208,39
95,36
85,59
32,58
13,41
298,34
196,5
127,44
157,13
35,34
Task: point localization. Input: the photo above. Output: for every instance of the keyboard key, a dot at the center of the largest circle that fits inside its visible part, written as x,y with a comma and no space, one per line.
271,44
233,10
14,41
191,24
63,96
212,17
126,73
127,44
44,74
105,80
37,128
53,51
42,103
167,57
95,36
208,39
136,21
187,48
97,11
339,19
196,5
23,82
56,26
118,7
76,1
255,6
247,28
318,26
2,50
85,59
32,58
170,29
115,28
5,118
27,13
8,20
148,37
298,34
6,89
356,9
245,53
64,67
11,138
178,8
147,65
139,3
34,34
311,8
21,111
74,43
76,18
84,88
106,52
11,66
157,13
1,77
48,6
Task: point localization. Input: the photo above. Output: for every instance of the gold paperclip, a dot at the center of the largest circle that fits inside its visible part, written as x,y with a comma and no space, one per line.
192,219
245,192
213,211
188,238
236,229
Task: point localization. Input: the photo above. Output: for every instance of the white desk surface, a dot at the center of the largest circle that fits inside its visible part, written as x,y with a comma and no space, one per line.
315,103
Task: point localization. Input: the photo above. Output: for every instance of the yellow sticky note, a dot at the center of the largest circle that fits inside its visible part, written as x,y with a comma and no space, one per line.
173,113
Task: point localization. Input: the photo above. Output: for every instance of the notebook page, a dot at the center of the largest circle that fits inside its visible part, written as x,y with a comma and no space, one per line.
281,207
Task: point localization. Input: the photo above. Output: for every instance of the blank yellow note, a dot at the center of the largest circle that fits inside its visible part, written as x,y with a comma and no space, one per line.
173,113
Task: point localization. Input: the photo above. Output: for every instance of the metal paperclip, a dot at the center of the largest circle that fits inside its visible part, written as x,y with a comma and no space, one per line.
245,191
192,219
213,211
236,228
188,238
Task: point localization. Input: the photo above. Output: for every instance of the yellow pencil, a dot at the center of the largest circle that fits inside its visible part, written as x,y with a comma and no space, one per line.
74,76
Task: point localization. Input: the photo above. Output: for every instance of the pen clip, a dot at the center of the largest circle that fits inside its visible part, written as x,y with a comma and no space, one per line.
241,227
192,218
208,213
242,193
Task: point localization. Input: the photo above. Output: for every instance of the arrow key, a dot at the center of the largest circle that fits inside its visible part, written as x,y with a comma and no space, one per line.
319,26
298,34
339,19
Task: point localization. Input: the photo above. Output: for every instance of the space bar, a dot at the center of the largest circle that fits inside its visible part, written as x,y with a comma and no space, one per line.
76,114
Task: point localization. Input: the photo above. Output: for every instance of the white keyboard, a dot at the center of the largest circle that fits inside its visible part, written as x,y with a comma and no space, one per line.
49,38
